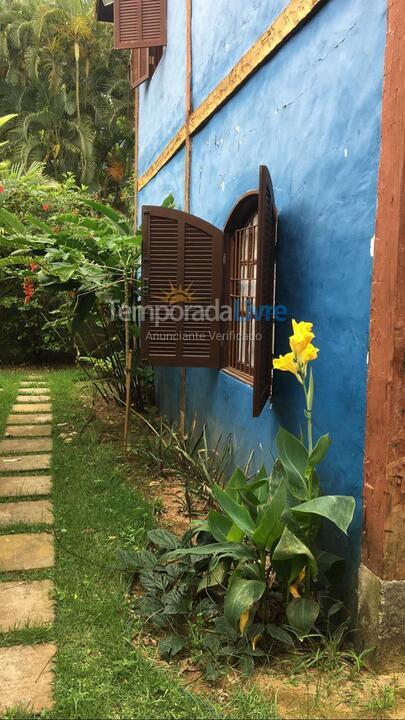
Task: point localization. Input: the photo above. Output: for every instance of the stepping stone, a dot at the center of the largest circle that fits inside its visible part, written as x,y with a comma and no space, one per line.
31,512
27,408
25,463
26,678
28,431
26,551
8,447
25,485
32,383
33,399
26,603
34,391
17,446
21,419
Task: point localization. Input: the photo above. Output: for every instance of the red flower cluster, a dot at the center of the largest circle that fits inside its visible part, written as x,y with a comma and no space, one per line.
45,207
33,267
2,188
29,290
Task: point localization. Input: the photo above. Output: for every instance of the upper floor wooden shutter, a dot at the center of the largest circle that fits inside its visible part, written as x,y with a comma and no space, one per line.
140,70
140,23
181,265
265,292
144,62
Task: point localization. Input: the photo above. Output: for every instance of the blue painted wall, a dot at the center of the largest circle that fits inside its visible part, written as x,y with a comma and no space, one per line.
312,114
162,98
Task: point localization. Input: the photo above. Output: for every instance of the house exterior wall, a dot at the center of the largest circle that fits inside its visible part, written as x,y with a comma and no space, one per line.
312,114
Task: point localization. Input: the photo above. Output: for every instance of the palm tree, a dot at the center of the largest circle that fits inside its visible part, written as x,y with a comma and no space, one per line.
58,70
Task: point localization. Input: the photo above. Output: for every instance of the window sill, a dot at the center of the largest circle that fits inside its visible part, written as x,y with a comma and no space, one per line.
242,377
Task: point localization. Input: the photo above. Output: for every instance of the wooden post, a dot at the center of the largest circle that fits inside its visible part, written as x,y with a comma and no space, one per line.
128,349
384,475
187,180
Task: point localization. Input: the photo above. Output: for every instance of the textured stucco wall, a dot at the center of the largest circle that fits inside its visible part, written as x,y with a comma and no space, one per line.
312,114
221,32
162,99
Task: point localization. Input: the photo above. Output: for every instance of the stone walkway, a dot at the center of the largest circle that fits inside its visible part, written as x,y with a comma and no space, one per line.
26,671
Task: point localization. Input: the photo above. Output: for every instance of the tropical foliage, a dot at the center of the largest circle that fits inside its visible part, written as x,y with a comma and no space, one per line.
59,73
254,567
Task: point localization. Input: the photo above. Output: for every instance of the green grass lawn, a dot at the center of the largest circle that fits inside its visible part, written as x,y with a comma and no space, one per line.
100,673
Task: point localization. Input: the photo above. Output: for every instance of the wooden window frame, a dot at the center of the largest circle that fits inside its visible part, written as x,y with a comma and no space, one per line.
169,238
234,266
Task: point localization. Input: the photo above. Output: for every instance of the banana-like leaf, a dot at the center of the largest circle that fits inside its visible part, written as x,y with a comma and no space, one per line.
270,525
214,576
320,450
114,219
236,512
241,595
289,546
301,614
219,525
292,453
11,221
339,509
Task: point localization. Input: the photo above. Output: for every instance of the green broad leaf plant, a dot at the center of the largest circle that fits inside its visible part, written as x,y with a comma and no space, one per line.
265,527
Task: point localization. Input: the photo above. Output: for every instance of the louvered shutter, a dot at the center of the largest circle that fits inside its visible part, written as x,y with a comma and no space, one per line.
140,23
265,291
140,68
181,266
144,62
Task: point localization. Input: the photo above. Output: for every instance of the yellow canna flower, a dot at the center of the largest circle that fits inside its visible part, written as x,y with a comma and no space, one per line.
309,353
302,337
302,327
286,363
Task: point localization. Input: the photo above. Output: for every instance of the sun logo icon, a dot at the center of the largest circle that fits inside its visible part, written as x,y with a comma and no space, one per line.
177,295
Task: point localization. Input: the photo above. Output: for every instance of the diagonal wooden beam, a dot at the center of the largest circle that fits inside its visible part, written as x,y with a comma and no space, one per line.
291,19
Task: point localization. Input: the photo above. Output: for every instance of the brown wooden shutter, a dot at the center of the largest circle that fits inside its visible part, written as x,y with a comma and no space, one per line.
139,66
144,62
265,291
181,266
140,23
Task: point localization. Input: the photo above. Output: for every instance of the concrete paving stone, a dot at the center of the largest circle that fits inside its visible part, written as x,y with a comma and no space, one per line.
26,678
23,419
26,604
31,512
24,463
25,485
34,408
33,391
16,446
26,551
32,383
16,431
33,399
